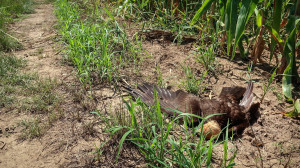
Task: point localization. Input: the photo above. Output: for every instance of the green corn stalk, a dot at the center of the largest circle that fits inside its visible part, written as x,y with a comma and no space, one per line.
230,21
246,11
276,22
296,109
291,70
205,6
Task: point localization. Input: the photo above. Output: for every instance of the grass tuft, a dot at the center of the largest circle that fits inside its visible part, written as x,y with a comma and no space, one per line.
98,50
10,10
163,142
31,129
192,84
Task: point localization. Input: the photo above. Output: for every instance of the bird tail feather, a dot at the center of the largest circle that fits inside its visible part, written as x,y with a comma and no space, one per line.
248,97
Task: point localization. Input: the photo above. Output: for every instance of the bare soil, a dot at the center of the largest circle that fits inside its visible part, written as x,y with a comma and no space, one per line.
72,140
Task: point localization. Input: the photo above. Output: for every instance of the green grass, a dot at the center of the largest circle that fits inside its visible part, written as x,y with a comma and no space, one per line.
191,83
8,70
161,15
164,143
98,50
10,10
31,129
25,92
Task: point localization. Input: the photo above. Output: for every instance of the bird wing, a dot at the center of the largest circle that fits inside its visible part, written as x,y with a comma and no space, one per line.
232,94
178,100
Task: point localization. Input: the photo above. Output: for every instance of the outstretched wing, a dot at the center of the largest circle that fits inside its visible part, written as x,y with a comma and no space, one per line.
178,100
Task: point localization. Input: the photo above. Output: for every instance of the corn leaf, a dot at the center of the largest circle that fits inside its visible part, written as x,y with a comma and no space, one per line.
289,53
258,17
276,23
287,82
242,51
296,109
276,36
230,21
222,4
246,11
205,6
297,106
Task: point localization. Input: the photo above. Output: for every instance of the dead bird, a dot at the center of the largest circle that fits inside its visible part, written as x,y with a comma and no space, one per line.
235,103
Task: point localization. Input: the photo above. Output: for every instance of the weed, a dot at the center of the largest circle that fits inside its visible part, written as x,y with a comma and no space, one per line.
159,78
98,50
161,15
99,150
165,143
207,58
279,95
25,92
32,129
267,86
207,50
249,73
191,84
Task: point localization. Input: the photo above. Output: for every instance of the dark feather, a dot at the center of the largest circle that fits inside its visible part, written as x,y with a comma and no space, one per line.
236,104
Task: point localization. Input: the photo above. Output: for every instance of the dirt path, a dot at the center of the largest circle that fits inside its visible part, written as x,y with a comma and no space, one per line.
37,34
57,147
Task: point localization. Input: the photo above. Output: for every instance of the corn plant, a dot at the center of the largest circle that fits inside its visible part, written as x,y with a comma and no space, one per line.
296,109
170,15
283,19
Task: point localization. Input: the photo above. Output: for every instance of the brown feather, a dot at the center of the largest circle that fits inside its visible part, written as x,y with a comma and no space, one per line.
236,104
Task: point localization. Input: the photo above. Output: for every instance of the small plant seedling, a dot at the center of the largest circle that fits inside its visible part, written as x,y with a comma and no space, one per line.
267,86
